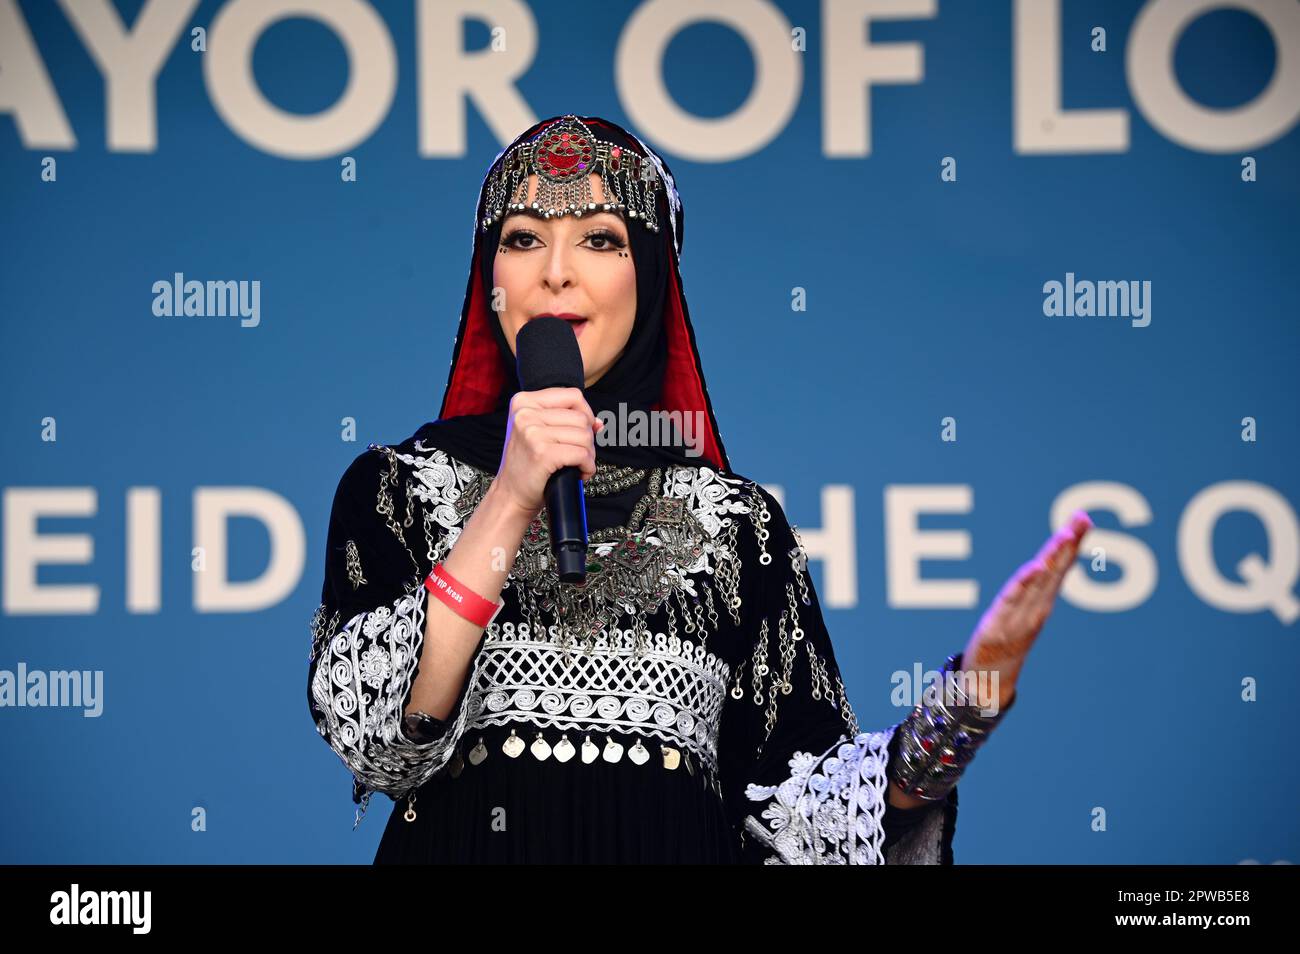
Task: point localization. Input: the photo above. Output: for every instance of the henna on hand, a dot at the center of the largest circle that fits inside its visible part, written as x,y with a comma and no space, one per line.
1011,624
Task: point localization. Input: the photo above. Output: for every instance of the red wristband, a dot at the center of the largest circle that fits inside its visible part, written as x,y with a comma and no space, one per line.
466,603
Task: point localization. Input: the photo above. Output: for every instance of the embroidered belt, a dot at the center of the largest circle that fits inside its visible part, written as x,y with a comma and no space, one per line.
671,692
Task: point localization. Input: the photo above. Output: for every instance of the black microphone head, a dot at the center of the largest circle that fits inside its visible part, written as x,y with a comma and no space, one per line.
547,355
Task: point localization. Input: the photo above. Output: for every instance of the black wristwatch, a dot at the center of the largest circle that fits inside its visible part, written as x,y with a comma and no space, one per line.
420,727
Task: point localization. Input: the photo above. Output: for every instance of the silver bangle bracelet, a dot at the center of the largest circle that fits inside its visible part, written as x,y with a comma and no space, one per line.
938,740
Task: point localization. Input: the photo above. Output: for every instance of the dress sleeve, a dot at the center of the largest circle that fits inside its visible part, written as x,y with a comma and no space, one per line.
368,631
802,784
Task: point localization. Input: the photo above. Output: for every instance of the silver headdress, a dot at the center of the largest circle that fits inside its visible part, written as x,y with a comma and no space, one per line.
562,156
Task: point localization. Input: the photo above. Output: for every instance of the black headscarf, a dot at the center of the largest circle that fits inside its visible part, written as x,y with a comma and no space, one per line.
635,380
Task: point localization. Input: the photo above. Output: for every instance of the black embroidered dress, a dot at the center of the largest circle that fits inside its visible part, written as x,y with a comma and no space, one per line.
695,714
683,705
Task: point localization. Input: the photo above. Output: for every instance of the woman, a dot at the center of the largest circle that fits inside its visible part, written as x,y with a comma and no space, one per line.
684,703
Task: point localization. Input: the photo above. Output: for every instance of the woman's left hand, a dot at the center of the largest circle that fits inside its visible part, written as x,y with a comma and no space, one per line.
1010,625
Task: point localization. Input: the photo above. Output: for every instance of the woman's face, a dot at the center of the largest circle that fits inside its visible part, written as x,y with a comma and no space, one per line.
569,266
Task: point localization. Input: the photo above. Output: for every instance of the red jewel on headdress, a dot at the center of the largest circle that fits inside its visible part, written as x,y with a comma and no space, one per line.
562,155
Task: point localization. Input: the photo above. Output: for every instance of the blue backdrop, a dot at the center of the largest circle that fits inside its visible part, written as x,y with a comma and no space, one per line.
899,281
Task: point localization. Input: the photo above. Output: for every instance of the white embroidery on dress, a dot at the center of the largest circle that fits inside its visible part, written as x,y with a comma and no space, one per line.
450,488
670,688
360,685
709,494
830,811
711,497
673,690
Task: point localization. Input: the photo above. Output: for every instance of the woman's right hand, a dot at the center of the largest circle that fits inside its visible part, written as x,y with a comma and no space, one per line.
545,430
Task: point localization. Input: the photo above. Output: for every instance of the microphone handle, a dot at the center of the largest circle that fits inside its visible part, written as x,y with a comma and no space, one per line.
567,514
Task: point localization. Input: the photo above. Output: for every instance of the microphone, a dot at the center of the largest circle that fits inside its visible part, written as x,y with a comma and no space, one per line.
547,356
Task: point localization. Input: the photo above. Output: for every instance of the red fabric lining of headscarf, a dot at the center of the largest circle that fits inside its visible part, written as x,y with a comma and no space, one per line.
683,388
477,379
